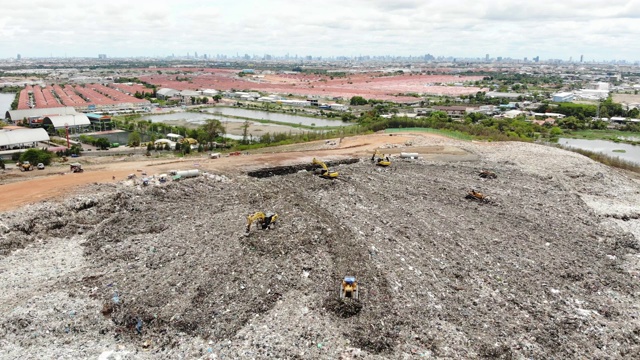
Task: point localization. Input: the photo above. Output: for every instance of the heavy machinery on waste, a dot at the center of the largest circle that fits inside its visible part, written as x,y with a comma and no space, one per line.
486,174
263,220
76,168
324,172
380,159
25,166
478,196
349,288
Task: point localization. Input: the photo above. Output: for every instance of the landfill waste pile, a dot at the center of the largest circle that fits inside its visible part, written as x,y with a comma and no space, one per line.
547,269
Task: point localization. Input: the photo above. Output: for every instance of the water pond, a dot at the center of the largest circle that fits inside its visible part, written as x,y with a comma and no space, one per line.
623,151
265,115
5,103
219,114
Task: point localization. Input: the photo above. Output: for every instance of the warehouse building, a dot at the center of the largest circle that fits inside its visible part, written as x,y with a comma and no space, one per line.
35,116
21,138
563,97
76,122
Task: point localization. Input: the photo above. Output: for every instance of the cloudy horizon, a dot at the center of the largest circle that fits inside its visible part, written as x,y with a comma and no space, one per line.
599,30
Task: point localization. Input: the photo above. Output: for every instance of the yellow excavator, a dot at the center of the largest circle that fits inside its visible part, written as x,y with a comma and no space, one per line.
380,159
325,173
263,221
349,288
24,166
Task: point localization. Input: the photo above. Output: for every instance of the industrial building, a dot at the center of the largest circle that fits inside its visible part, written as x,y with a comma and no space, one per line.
11,138
166,93
563,97
35,116
100,122
75,122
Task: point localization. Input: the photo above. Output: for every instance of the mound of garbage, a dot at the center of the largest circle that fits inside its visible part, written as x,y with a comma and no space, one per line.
167,271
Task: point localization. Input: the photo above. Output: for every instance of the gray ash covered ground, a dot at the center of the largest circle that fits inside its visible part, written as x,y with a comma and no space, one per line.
539,271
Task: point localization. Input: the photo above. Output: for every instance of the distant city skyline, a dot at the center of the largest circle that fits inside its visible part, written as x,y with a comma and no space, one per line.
217,58
594,30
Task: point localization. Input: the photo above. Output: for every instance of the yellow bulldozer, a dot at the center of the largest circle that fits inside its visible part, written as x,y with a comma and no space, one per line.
476,195
263,221
24,166
349,288
324,172
380,159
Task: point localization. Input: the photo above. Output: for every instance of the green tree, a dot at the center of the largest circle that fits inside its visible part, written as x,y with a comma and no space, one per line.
599,125
213,128
15,103
556,131
102,143
217,97
35,156
245,132
358,100
134,139
347,117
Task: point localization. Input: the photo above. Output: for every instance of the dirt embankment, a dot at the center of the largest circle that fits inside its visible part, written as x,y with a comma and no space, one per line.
544,269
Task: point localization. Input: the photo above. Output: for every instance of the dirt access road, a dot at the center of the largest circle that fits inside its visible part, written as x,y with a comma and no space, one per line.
18,189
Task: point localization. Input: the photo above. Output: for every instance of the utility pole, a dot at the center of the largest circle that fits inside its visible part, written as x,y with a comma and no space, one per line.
66,128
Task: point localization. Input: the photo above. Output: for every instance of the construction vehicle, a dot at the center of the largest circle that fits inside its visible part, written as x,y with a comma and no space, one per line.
475,195
24,166
190,142
324,172
263,221
349,288
486,174
76,168
380,159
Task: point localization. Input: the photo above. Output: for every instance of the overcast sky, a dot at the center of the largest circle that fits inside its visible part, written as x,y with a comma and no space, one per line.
559,29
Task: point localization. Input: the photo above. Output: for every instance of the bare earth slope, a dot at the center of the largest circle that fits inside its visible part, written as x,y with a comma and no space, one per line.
546,269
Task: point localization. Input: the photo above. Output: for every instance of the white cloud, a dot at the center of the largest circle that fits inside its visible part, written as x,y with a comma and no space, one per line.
599,29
